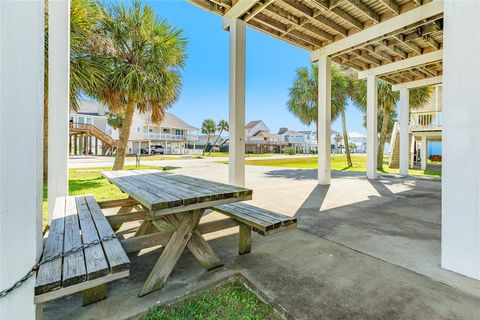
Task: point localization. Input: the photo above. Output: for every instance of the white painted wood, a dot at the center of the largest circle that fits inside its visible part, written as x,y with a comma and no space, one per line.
418,83
21,129
423,12
372,135
403,64
461,143
80,287
324,119
403,117
423,152
58,100
236,167
237,11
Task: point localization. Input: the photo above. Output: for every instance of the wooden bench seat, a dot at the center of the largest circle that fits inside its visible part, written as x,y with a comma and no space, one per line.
79,220
251,218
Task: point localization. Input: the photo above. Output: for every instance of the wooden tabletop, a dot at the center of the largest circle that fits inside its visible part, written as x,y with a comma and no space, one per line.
165,192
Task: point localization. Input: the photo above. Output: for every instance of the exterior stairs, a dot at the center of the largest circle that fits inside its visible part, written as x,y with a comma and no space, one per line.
394,158
109,144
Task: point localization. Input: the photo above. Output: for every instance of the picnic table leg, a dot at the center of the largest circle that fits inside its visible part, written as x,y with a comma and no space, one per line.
170,255
122,210
245,239
146,227
198,246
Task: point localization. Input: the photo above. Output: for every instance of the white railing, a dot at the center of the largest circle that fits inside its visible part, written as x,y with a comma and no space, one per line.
165,136
426,120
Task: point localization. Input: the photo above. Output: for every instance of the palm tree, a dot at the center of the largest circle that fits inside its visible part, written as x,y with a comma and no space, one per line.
86,71
144,58
221,127
303,101
387,100
208,127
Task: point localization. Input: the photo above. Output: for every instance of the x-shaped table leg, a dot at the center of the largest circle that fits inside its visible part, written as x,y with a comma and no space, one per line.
185,234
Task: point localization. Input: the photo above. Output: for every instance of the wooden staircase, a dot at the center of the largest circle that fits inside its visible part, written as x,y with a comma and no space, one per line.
394,158
109,144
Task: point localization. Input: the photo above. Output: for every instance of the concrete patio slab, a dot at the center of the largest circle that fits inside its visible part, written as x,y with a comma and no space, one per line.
363,250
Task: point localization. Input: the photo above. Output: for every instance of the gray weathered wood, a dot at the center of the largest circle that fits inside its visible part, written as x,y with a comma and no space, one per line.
261,220
171,253
146,227
197,245
244,239
117,258
117,203
122,218
94,294
49,275
74,270
95,260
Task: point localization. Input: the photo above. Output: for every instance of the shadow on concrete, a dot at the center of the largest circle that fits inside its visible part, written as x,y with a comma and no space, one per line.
309,174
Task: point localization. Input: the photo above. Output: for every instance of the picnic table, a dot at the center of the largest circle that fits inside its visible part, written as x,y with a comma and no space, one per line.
175,203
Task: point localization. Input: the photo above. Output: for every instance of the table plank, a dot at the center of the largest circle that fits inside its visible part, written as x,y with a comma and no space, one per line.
49,275
116,256
95,260
74,270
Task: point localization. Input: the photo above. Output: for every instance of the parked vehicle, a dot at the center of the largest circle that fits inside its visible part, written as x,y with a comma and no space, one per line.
157,149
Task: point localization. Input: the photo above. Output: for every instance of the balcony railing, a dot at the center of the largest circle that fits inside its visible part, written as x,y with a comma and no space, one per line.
266,142
426,121
165,136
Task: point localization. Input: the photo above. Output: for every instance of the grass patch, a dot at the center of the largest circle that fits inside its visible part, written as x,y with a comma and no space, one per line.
338,162
247,155
90,181
230,301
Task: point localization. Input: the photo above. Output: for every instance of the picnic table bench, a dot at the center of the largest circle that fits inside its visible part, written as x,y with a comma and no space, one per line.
79,225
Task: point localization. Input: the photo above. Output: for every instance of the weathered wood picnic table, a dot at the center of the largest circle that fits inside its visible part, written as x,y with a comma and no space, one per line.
175,203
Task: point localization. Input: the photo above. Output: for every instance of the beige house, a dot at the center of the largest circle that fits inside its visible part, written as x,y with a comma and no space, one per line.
259,139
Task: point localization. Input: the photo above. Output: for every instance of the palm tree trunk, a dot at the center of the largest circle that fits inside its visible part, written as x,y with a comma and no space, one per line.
216,140
383,137
345,138
124,135
206,145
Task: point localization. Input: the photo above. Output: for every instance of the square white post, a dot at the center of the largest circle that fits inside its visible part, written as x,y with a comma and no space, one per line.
58,100
324,119
423,153
21,132
404,113
236,154
461,143
372,136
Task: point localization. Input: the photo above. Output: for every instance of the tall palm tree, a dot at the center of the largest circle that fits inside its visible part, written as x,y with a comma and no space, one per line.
145,57
387,101
86,71
221,127
208,127
303,101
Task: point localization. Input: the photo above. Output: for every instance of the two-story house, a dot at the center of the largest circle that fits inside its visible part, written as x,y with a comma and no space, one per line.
259,139
172,135
425,132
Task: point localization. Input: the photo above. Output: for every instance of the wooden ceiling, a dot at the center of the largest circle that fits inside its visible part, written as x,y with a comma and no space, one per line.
312,24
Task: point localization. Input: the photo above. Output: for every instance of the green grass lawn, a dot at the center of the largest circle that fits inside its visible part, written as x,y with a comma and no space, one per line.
247,155
90,181
338,162
231,301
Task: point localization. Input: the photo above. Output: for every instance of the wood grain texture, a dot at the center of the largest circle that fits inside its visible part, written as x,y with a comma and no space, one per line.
244,239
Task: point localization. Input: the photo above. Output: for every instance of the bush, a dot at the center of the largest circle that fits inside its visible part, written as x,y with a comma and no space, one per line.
290,151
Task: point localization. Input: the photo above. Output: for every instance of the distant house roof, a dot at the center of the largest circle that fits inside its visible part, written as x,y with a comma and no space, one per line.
355,134
172,121
264,134
252,124
90,107
291,133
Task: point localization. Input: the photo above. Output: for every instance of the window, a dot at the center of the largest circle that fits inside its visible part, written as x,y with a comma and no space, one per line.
138,129
178,132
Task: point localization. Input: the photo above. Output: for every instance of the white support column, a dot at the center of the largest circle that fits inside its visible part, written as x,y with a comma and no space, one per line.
236,167
404,113
423,153
58,100
21,136
324,119
372,136
461,143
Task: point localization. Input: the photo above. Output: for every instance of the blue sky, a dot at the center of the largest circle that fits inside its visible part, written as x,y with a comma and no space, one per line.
270,67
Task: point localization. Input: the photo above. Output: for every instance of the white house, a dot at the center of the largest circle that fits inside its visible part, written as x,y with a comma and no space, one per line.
358,140
259,139
172,134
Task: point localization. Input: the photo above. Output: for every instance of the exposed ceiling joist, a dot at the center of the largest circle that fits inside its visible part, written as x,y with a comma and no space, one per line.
236,11
366,10
418,83
392,6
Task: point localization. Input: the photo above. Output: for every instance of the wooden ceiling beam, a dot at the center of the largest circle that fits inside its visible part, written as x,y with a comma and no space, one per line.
375,51
401,38
392,6
256,10
388,46
366,10
354,22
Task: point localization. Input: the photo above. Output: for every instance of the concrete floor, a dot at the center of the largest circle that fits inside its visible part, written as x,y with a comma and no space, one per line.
363,250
